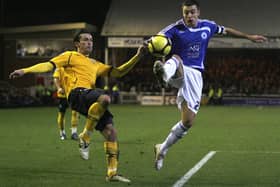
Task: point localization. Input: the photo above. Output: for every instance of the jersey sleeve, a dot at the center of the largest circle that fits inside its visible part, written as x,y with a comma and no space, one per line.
56,73
218,29
168,32
214,27
103,69
62,59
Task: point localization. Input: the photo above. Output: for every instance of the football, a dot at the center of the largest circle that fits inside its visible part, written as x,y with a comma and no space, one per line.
159,45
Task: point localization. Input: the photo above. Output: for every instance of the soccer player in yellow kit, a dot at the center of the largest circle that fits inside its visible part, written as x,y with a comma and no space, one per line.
62,106
80,73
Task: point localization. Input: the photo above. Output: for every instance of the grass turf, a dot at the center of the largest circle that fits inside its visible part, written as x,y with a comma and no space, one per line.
246,140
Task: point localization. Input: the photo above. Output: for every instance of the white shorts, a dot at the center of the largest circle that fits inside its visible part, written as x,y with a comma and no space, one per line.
191,89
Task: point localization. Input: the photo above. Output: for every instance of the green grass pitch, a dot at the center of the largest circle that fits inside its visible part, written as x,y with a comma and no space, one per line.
247,141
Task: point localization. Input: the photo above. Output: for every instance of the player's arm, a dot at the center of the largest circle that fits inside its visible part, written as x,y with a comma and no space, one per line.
57,81
237,33
37,68
126,67
58,85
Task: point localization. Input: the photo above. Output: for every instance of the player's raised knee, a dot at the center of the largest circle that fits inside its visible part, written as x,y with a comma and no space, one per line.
104,100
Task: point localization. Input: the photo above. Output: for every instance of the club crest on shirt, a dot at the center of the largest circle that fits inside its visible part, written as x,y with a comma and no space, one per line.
204,35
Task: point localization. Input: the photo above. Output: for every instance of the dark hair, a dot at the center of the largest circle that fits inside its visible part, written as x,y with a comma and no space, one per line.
78,34
190,3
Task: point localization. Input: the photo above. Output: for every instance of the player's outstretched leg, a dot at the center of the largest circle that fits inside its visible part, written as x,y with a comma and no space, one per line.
95,111
158,157
176,133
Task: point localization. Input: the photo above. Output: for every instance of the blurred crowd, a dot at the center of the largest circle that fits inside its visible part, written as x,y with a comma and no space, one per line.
13,97
242,75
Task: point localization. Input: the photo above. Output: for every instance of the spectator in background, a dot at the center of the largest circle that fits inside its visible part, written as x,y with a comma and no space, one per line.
40,91
21,51
116,94
210,95
106,89
218,95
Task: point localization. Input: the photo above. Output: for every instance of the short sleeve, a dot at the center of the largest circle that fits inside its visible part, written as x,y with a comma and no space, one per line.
62,59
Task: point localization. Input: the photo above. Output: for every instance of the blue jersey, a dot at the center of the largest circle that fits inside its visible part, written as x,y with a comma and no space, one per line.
191,43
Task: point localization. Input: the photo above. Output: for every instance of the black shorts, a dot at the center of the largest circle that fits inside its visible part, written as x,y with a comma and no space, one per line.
62,104
80,99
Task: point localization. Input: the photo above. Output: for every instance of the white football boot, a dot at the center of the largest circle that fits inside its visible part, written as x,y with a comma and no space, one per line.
117,178
158,157
84,149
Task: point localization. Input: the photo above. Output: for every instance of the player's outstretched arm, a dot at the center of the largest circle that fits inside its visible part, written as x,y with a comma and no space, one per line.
38,68
254,38
126,67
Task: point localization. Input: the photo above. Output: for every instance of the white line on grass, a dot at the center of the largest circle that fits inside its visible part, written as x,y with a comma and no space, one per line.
192,171
249,152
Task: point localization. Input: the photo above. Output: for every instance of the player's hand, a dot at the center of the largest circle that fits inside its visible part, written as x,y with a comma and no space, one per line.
142,50
257,38
146,42
60,91
16,74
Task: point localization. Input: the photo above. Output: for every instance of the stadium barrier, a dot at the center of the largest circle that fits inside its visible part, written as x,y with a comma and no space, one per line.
257,101
148,98
158,98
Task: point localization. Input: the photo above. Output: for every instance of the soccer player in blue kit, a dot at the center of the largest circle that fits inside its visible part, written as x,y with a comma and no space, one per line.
190,36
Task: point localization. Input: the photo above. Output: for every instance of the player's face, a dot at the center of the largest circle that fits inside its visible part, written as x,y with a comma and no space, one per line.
190,15
85,44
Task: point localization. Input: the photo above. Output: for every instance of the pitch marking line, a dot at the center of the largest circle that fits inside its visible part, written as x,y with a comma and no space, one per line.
249,152
192,171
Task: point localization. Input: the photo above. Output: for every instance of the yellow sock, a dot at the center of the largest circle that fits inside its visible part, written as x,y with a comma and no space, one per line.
60,120
95,111
112,154
88,130
74,119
